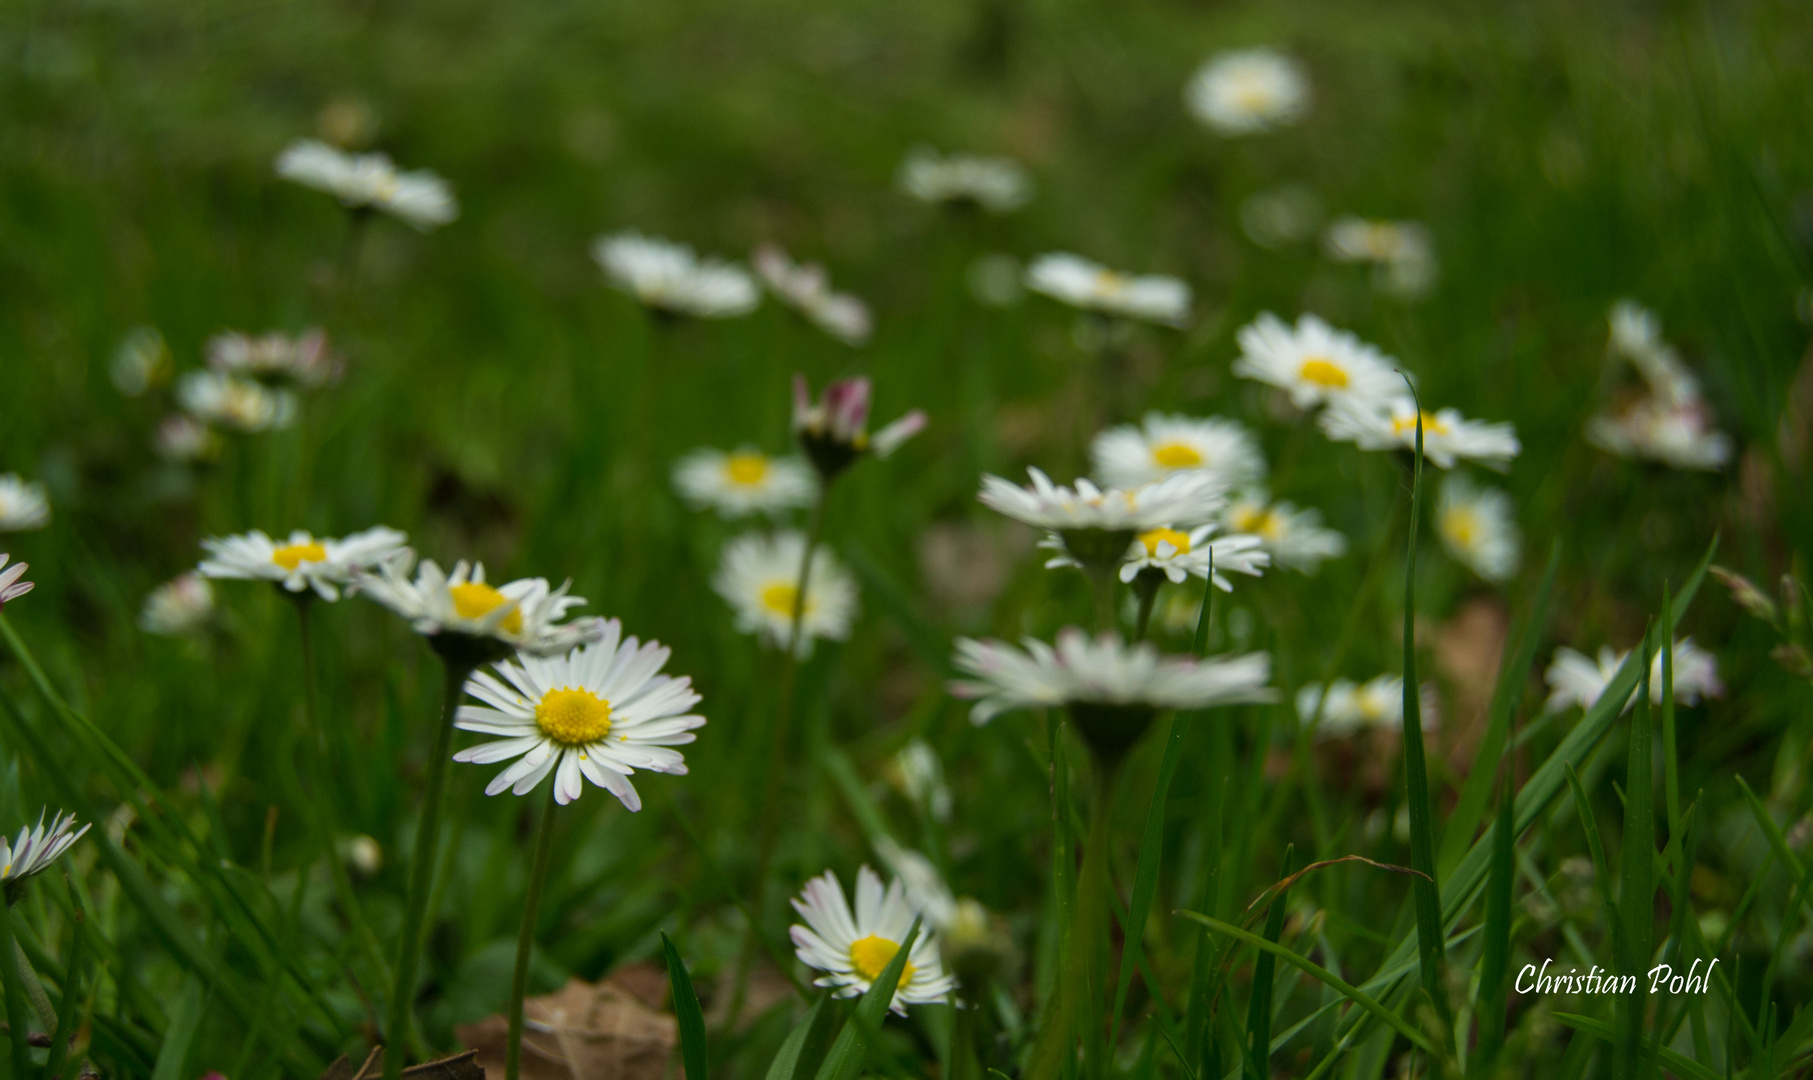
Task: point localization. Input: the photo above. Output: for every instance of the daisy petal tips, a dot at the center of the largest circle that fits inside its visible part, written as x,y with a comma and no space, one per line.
467,619
11,588
853,946
301,560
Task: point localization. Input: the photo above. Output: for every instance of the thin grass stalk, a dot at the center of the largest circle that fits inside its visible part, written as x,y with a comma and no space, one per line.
1259,1005
1093,929
525,941
17,1025
1636,893
63,1034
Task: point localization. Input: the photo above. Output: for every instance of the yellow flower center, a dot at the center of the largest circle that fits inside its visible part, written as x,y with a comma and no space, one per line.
780,598
290,556
1176,455
1180,541
1462,527
869,955
1405,425
573,717
1323,373
746,469
475,600
1107,281
1247,519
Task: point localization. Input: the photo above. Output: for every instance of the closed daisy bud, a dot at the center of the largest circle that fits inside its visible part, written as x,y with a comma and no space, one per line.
833,430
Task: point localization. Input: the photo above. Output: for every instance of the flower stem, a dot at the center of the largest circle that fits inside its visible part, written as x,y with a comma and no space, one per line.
34,989
525,942
421,871
1101,580
1146,587
1093,928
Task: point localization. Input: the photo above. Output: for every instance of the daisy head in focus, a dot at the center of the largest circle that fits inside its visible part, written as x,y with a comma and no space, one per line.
1248,90
302,360
235,403
1313,362
1577,679
994,184
833,429
11,585
806,287
1129,455
1096,525
671,279
596,714
23,504
301,561
1090,286
759,576
469,621
744,481
1176,555
1294,538
1448,436
1478,527
32,852
1400,252
368,182
180,607
853,946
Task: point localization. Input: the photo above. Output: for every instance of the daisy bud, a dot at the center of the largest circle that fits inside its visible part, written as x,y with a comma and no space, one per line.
833,430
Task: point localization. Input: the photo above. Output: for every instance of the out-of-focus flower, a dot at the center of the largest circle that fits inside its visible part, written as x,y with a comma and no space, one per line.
303,560
807,288
1576,679
1447,435
231,402
301,360
1178,555
1096,525
995,184
853,947
1671,423
833,429
361,852
669,277
11,588
179,607
184,438
468,620
1636,334
925,887
1081,283
1376,703
23,504
1248,90
1478,526
1400,251
1281,217
759,577
1127,456
140,362
1294,538
1313,362
920,777
32,852
421,199
744,481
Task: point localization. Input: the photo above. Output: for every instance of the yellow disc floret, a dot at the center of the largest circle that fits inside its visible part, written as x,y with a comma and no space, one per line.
1178,540
1176,455
780,598
290,556
1322,373
573,717
1462,527
1405,425
869,955
475,600
746,468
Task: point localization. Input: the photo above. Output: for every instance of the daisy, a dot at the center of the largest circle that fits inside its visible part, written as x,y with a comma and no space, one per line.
920,776
669,277
141,361
462,612
1293,538
853,947
23,504
11,588
184,438
598,713
744,481
1376,703
1636,334
1576,679
1447,435
1248,90
1128,456
759,577
302,360
1313,363
1081,283
1178,556
926,891
807,288
178,607
32,852
833,430
1097,524
420,199
995,184
1478,526
233,402
1400,251
301,561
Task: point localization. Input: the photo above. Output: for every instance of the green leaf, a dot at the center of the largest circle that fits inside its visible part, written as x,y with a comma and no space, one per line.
1595,846
71,990
686,1010
1676,1062
804,1049
848,1053
1495,951
185,1017
10,980
1637,877
1259,1005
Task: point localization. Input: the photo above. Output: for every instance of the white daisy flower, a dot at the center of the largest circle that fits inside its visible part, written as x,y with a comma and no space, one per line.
184,438
1447,435
11,588
303,359
853,947
833,430
995,184
23,504
669,277
1650,429
461,612
744,481
759,577
1248,90
232,402
179,607
1313,363
1294,538
1576,679
598,713
920,776
35,848
1376,703
1636,334
1081,283
1401,252
301,561
926,891
141,361
1179,555
1635,330
1184,498
807,288
1478,526
1128,456
420,199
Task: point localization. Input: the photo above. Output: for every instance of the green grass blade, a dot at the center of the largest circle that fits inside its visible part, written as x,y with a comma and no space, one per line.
847,1054
804,1048
185,1017
1637,885
71,988
1595,847
1495,951
690,1017
13,985
1674,1061
1259,1005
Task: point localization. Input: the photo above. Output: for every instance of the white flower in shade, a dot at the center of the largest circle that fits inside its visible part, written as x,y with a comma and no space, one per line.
302,560
1636,333
1400,251
141,361
420,199
1314,362
1294,538
1127,456
807,288
1180,555
1447,435
1478,526
1376,703
833,429
303,359
458,609
232,402
1576,679
926,890
35,848
598,713
920,776
853,947
759,577
995,184
178,607
1248,90
1650,429
184,438
23,504
1635,330
1181,499
11,588
1081,283
744,481
670,277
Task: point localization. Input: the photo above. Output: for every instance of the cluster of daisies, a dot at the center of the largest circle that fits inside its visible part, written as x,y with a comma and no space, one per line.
1665,419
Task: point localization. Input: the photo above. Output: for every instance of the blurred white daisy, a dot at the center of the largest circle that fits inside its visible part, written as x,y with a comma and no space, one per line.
853,946
807,288
1180,555
420,199
1185,498
1400,252
669,277
232,402
833,429
995,184
1478,527
178,607
35,848
463,615
1081,283
926,890
1636,334
1127,456
1294,538
1447,435
1635,330
1649,429
1313,362
1376,703
11,588
598,713
180,437
1248,90
1576,679
744,481
23,504
759,577
920,776
301,359
141,361
302,560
